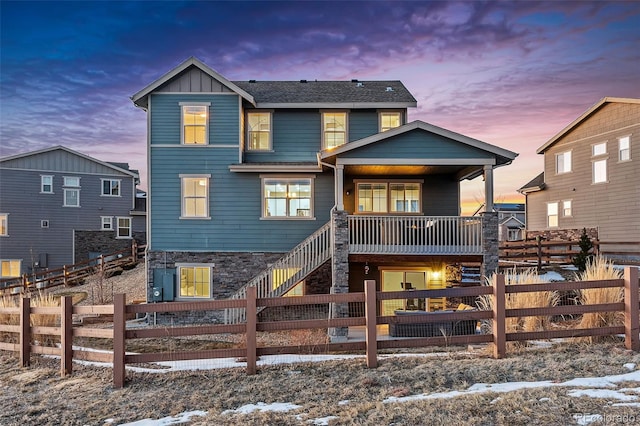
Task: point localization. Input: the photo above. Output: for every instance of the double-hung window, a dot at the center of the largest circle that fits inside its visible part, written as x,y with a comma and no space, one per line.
4,224
567,210
552,215
195,281
195,123
287,198
563,162
389,120
334,129
624,148
258,131
124,227
71,191
106,223
195,196
389,197
46,184
111,187
599,164
10,268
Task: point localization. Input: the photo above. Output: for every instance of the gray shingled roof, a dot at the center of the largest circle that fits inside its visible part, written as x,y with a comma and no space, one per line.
291,92
536,182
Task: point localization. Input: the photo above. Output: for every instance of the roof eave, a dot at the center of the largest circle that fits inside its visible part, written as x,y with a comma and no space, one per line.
338,105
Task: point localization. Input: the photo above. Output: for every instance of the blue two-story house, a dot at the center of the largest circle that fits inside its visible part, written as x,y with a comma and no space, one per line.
303,187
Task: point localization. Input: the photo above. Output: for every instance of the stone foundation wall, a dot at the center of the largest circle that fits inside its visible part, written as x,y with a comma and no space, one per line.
102,242
562,234
489,244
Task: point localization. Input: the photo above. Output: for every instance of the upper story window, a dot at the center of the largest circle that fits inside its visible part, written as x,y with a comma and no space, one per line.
394,197
124,227
195,196
195,120
71,191
4,224
286,198
599,149
334,129
552,215
46,184
563,162
624,148
111,187
600,171
195,281
258,131
390,120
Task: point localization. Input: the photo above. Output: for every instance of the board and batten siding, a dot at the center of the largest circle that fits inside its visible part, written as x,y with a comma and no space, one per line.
612,207
224,119
417,144
235,223
21,198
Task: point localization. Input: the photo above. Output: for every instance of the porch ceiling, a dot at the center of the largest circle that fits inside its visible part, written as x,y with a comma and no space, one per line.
411,170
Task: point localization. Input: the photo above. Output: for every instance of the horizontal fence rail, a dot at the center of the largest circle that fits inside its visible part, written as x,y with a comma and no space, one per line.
415,235
409,328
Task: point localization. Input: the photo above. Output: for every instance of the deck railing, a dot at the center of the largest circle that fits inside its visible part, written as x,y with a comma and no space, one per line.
415,235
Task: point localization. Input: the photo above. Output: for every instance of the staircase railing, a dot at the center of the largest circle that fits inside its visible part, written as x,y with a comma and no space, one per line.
288,271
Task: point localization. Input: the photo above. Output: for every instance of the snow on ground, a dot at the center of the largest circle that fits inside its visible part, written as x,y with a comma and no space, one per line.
551,276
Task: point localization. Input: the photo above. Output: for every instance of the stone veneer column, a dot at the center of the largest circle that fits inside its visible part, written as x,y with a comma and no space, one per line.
339,271
489,244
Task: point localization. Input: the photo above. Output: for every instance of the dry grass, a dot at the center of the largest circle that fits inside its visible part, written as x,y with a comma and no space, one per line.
599,268
537,299
8,319
40,299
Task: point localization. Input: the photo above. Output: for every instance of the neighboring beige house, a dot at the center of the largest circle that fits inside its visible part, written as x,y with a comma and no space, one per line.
591,175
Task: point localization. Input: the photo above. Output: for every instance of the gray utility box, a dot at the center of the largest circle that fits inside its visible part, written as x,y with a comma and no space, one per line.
163,285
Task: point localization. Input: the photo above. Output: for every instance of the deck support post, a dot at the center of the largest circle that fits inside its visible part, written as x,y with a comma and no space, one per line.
339,271
631,317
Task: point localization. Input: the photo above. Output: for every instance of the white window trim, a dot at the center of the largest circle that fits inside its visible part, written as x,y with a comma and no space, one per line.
126,237
264,178
11,260
557,214
206,127
570,208
67,185
388,182
6,224
593,171
390,111
208,197
570,159
346,126
248,131
64,197
103,180
211,266
42,191
593,148
620,160
103,222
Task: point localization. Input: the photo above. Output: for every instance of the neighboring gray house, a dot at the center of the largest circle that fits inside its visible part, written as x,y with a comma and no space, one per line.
512,220
304,187
49,196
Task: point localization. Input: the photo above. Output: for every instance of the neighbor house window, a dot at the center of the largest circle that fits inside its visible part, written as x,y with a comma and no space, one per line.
566,208
195,119
599,149
124,227
71,191
287,198
46,184
563,162
334,129
4,224
258,131
111,187
624,148
552,215
10,268
394,197
106,223
600,171
195,281
195,196
389,120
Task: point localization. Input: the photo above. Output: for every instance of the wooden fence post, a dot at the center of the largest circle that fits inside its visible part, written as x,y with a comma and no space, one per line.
64,275
252,321
631,314
25,331
539,252
66,335
25,283
119,329
371,338
134,251
499,321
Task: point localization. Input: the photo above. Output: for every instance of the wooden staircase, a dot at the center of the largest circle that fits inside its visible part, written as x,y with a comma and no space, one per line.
285,273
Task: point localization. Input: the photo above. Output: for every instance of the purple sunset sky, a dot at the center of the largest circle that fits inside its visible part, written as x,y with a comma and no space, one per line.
511,74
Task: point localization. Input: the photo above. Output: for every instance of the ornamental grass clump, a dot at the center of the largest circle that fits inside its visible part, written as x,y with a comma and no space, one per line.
8,319
599,268
536,299
45,320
